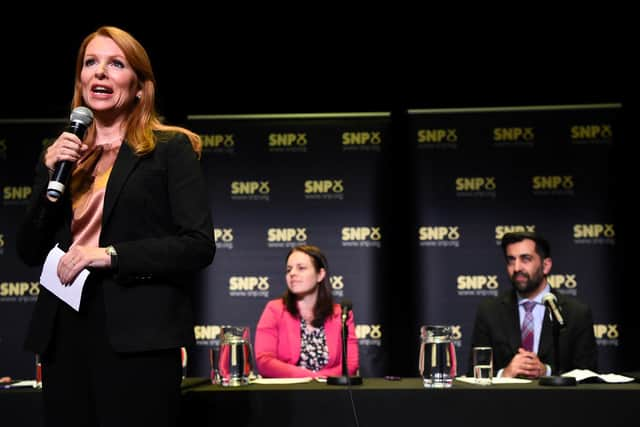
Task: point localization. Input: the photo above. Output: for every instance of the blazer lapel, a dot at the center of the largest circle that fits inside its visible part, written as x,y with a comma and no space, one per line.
292,326
122,168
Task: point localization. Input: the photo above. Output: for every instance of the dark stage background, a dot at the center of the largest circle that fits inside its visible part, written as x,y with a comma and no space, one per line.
264,61
223,63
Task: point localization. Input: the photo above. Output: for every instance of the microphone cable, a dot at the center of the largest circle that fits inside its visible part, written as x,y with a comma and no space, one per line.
356,421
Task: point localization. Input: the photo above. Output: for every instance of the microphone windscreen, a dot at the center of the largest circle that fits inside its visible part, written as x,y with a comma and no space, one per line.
82,115
549,298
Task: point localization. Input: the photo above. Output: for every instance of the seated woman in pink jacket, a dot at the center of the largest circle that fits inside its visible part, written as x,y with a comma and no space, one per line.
300,334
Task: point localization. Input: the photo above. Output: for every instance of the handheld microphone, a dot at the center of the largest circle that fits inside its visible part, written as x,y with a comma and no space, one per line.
80,120
551,301
346,306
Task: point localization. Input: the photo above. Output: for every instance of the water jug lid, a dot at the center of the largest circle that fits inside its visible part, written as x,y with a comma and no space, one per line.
436,333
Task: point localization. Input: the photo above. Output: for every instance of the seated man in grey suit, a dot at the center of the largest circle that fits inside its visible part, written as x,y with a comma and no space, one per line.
516,323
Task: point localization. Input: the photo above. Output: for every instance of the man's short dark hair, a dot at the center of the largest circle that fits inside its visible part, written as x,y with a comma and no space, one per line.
542,245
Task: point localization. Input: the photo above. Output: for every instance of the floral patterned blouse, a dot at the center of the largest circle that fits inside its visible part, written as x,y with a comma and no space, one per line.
314,354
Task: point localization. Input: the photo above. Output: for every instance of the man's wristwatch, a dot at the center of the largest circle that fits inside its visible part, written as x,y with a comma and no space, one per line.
111,251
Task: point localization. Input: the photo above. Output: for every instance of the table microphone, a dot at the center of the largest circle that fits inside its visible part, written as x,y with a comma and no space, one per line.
345,379
558,323
551,302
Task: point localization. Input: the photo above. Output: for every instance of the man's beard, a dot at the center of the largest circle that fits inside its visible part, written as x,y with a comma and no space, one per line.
530,285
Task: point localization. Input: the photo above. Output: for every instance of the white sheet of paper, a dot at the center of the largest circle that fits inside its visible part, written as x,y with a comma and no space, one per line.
281,380
495,380
19,384
582,374
49,279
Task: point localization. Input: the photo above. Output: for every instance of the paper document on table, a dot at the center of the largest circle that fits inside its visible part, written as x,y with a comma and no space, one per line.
281,380
19,384
585,375
507,380
501,380
71,294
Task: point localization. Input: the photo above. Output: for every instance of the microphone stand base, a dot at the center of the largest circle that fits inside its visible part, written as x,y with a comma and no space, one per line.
343,380
558,381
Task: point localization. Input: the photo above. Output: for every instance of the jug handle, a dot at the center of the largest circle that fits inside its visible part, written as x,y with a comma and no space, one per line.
454,361
215,371
254,366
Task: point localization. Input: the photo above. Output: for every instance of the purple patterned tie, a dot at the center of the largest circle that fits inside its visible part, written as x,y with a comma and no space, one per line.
527,326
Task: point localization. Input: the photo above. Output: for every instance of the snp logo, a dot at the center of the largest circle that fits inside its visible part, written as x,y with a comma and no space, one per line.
337,286
553,184
361,236
439,236
13,195
369,334
361,140
250,190
564,283
477,285
477,183
336,282
223,238
249,286
286,237
324,189
501,230
19,291
594,234
223,234
288,141
514,134
437,136
476,186
250,187
217,142
592,134
206,333
606,334
324,186
3,149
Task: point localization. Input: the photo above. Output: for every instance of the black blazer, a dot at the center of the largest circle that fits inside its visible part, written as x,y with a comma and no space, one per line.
497,325
157,217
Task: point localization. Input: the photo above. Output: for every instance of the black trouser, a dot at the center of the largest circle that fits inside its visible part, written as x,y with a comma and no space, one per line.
86,383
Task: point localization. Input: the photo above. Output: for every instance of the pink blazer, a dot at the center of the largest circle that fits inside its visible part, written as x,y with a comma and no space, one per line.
278,344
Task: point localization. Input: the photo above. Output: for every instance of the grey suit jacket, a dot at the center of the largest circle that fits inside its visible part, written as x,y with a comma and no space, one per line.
497,325
157,216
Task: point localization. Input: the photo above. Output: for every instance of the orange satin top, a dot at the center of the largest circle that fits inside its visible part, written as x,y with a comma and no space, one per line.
88,183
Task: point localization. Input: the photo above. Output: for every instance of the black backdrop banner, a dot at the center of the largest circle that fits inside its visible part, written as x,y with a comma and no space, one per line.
338,181
284,180
483,172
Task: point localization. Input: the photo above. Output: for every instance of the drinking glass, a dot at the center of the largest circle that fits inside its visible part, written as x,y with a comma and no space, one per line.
482,365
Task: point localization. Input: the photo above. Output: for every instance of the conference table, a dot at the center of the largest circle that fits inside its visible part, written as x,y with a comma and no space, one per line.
380,402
